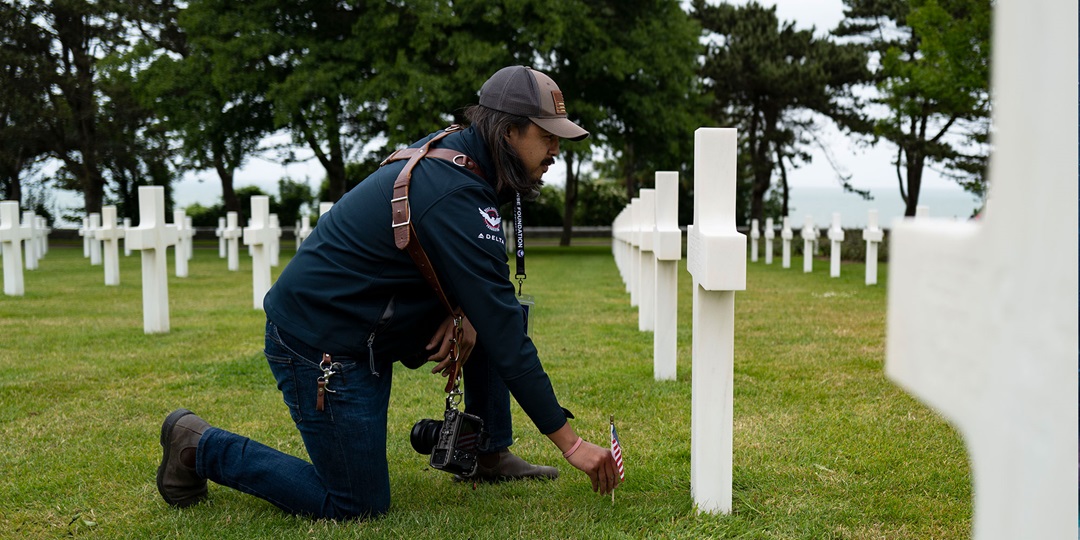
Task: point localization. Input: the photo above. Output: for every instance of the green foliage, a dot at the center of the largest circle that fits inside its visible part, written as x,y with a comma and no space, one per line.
933,79
824,445
599,202
765,78
292,197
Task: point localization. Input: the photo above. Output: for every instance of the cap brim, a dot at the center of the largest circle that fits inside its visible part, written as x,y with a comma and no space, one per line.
562,128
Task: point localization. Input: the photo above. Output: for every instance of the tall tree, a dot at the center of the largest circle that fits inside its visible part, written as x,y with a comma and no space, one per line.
22,103
634,89
219,127
766,78
933,79
82,33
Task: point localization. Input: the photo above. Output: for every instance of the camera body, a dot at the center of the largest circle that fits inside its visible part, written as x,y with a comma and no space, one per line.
453,442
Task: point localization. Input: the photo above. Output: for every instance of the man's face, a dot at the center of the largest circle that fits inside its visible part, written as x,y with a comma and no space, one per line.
536,147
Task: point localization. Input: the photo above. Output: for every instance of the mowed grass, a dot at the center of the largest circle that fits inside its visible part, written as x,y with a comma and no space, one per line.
824,445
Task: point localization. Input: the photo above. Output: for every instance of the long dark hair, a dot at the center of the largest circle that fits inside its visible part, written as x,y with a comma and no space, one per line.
493,127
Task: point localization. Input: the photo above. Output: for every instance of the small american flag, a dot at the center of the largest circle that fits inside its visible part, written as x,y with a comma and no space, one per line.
616,450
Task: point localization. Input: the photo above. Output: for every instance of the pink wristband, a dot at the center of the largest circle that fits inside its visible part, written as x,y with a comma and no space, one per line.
572,449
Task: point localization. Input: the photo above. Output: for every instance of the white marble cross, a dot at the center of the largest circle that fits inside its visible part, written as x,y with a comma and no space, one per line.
305,230
127,248
787,235
109,235
982,316
755,234
12,235
257,236
646,224
183,241
770,234
716,258
153,237
667,247
324,207
33,254
620,244
232,234
635,251
873,236
809,235
42,231
219,232
95,242
275,241
836,241
84,232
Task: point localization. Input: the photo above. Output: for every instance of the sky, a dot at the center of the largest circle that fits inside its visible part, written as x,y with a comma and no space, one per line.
869,168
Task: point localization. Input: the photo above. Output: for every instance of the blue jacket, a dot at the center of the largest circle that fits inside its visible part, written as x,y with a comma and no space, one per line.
349,288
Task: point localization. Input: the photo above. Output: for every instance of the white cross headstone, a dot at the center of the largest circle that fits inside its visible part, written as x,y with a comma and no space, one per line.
836,241
755,234
325,207
183,238
716,258
257,236
770,234
667,247
982,316
232,235
191,236
127,247
12,234
635,250
809,235
30,223
873,236
219,232
275,241
95,242
305,230
621,244
84,232
42,231
153,237
647,276
787,236
109,236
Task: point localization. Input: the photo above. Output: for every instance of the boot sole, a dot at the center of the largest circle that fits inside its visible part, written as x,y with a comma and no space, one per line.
166,429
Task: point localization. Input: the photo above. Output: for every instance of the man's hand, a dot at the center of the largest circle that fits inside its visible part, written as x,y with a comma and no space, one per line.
443,340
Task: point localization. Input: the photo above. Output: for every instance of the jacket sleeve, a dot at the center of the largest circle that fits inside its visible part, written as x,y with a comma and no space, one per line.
462,234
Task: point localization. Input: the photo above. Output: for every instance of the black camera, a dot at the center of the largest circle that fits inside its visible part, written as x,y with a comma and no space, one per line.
452,442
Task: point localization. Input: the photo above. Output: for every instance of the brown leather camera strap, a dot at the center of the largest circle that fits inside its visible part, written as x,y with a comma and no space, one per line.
404,233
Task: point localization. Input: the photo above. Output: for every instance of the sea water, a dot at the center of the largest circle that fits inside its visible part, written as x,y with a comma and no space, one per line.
822,202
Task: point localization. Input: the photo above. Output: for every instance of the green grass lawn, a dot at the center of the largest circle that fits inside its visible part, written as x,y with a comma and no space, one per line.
824,445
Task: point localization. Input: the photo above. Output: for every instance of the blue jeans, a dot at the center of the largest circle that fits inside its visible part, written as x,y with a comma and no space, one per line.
348,475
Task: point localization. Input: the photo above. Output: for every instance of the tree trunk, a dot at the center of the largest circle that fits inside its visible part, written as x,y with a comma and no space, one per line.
570,203
228,193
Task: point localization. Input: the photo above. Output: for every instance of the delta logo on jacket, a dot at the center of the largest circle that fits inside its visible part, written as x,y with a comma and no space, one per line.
493,222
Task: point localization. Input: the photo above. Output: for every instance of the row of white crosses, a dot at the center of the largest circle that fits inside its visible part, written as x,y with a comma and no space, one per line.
647,246
31,235
872,235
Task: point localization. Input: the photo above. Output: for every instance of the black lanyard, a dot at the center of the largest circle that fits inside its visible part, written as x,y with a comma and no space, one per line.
519,233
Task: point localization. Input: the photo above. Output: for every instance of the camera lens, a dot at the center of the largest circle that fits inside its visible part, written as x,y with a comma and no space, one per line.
425,434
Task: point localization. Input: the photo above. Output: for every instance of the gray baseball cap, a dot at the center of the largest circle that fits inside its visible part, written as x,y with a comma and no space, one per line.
523,91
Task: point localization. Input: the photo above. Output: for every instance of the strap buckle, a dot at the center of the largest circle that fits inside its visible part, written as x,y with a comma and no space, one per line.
398,210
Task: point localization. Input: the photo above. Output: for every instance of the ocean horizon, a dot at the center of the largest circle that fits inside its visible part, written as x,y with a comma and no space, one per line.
822,202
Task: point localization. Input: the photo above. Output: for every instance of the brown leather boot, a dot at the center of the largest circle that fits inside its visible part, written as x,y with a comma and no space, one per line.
504,466
177,481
